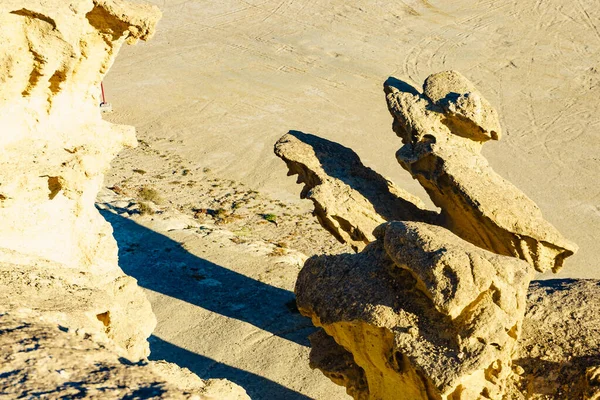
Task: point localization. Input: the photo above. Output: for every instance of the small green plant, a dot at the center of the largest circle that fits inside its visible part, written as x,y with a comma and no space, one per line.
271,218
150,194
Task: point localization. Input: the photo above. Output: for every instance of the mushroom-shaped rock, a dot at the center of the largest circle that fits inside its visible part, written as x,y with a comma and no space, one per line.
424,313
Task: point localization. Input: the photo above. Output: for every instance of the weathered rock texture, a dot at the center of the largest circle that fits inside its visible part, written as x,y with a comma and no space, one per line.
557,356
424,313
433,308
41,357
57,254
350,200
559,349
443,130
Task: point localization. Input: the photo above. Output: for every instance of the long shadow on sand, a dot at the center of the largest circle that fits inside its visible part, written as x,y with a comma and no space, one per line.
256,386
163,265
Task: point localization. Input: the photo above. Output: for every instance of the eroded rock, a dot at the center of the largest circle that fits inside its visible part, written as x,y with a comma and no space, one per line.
57,254
337,364
431,309
442,131
559,349
350,200
56,147
422,310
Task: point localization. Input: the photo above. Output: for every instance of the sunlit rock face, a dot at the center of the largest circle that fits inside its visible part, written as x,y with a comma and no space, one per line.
432,307
443,131
56,252
423,313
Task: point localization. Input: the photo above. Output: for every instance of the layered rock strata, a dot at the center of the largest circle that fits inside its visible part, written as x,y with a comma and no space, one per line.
430,309
59,269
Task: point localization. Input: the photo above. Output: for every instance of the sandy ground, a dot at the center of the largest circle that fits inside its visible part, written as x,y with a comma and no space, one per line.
218,262
229,77
223,80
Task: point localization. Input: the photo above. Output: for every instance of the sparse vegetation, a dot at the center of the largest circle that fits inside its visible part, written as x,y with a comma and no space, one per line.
271,218
150,194
243,231
238,240
146,209
221,213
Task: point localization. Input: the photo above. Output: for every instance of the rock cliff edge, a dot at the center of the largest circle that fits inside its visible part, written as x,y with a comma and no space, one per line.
63,295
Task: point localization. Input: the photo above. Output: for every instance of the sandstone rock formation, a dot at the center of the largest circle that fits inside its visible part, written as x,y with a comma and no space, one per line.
443,130
437,316
56,147
350,200
556,357
431,309
559,350
57,254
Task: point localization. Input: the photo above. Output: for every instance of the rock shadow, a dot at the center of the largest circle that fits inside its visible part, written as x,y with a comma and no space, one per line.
256,386
556,284
401,85
163,265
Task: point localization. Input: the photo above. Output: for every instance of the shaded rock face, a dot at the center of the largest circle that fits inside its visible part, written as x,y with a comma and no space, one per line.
559,349
432,307
56,252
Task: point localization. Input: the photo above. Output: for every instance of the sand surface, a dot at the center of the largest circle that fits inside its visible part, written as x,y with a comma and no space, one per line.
229,77
223,80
